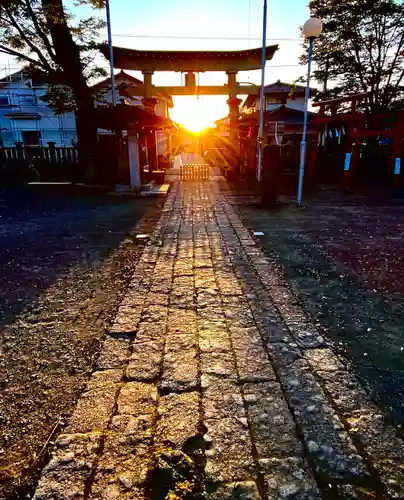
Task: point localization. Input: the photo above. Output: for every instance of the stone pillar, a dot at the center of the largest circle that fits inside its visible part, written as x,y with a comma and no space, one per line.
149,103
134,163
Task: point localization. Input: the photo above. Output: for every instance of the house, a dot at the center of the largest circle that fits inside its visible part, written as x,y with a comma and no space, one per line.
283,112
276,95
25,118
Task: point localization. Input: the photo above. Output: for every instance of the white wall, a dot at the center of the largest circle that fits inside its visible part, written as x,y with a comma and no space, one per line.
60,129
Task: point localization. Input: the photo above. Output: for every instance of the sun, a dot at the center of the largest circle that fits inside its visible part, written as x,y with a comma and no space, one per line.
198,114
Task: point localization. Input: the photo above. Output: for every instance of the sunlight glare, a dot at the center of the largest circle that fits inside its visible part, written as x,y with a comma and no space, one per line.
198,114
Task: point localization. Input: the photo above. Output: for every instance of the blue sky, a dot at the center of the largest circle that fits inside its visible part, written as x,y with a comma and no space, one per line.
149,20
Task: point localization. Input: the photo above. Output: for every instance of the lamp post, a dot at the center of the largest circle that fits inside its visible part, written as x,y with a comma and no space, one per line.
262,95
311,30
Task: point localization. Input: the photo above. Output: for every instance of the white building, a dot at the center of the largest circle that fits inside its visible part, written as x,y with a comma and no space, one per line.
26,118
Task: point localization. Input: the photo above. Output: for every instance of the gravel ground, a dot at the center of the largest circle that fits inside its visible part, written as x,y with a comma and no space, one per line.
342,254
65,263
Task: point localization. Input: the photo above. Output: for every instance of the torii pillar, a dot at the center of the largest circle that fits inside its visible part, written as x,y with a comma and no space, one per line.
233,102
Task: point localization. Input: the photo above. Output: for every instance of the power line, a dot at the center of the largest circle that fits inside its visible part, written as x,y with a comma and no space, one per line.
175,37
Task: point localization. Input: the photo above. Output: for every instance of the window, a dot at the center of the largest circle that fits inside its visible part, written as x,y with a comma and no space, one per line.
4,101
50,135
7,137
28,100
31,137
70,137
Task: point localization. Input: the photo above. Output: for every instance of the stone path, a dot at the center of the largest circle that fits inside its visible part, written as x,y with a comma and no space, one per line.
213,383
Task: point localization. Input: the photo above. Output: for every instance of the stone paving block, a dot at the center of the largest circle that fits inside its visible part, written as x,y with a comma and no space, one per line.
208,297
134,299
158,299
240,316
66,474
328,444
126,457
137,398
126,323
145,361
307,335
289,478
323,359
273,429
163,285
211,313
271,329
95,407
246,490
206,325
346,393
282,354
218,364
253,364
228,454
178,422
214,341
385,449
205,279
155,313
180,366
114,353
221,399
181,321
184,267
151,331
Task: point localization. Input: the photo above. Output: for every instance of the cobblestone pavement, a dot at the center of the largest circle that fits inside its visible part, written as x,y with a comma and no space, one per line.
213,383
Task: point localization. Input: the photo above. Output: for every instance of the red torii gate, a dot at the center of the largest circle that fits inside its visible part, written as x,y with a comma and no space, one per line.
360,125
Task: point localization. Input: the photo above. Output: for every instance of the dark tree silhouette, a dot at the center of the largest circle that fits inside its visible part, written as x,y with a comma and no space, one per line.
44,36
360,50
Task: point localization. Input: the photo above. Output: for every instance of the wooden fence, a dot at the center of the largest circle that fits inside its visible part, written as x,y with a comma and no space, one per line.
35,163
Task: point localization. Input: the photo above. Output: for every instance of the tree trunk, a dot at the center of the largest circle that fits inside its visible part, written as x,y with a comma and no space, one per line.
68,58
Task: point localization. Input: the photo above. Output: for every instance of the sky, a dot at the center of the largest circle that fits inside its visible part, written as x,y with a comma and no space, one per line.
206,25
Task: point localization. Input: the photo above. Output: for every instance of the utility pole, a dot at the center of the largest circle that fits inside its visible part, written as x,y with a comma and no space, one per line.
262,95
111,54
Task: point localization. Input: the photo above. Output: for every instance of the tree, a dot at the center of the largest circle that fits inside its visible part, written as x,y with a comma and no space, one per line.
361,50
45,37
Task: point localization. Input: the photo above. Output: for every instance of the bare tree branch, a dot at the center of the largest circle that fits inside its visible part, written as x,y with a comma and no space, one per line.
15,53
27,40
41,34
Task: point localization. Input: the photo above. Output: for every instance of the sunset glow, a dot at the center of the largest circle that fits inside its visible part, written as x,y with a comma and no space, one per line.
197,114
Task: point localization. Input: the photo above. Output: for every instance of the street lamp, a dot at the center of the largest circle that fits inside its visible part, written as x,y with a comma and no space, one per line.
312,29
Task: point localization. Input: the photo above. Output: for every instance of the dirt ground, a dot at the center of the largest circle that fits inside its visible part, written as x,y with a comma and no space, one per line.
65,262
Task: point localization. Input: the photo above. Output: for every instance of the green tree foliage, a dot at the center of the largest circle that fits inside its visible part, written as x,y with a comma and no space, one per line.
46,38
26,34
360,50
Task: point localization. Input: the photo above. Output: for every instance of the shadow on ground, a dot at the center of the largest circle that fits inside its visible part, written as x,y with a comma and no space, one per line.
65,262
342,254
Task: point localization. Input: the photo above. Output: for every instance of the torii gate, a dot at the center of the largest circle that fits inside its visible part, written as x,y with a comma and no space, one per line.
190,63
